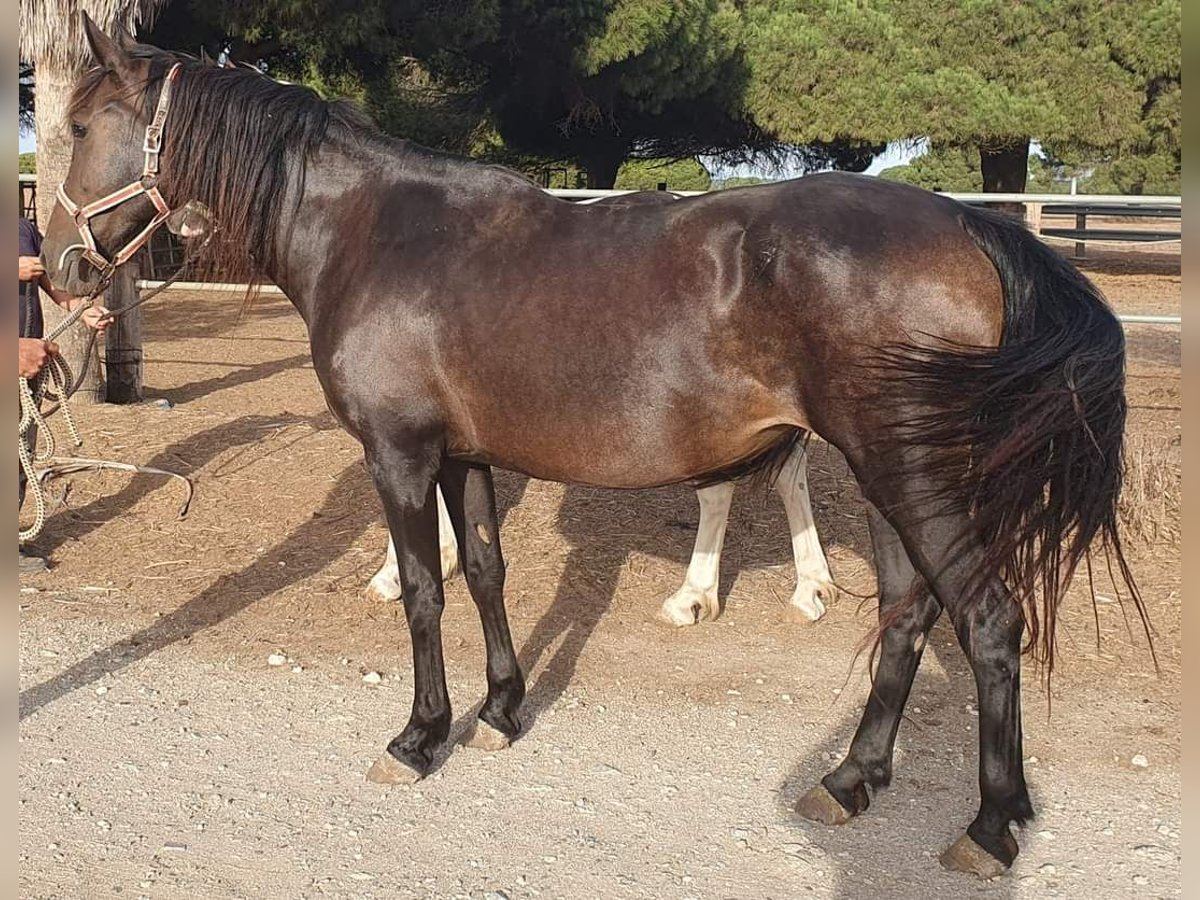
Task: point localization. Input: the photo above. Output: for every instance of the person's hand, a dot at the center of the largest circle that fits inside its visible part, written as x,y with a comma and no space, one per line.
30,268
97,317
32,355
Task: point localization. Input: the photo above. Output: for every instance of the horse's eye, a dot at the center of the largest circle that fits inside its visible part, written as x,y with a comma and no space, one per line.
79,131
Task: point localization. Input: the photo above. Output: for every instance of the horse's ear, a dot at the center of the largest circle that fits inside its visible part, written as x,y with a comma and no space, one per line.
204,57
125,41
108,53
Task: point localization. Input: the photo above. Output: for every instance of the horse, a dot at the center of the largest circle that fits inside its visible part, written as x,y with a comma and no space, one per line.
696,600
461,318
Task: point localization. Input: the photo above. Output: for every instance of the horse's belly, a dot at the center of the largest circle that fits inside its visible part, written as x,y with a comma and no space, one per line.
622,455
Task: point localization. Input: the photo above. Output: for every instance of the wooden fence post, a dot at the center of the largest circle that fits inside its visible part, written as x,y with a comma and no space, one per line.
123,340
1033,217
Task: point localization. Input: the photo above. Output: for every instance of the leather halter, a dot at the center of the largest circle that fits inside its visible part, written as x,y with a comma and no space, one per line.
147,184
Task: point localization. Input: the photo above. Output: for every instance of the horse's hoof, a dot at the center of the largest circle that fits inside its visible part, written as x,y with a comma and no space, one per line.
687,606
389,770
964,855
818,805
375,593
809,600
484,737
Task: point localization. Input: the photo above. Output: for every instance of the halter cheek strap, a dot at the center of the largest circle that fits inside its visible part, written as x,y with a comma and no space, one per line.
147,184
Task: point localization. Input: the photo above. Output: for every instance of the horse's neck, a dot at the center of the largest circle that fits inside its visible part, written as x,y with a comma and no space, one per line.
307,238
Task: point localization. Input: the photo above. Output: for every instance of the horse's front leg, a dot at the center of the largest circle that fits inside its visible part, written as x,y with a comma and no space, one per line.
405,477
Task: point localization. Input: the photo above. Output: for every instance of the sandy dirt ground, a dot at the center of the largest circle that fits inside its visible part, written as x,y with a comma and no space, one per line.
163,755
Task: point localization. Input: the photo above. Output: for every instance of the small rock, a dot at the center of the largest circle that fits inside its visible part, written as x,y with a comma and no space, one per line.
1140,880
101,691
1155,852
162,403
372,678
297,669
178,846
1139,762
495,895
276,659
1048,869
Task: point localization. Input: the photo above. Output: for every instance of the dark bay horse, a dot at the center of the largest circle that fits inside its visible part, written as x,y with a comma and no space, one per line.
461,318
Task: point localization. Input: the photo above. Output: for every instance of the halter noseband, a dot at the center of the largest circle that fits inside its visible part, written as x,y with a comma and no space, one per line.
147,184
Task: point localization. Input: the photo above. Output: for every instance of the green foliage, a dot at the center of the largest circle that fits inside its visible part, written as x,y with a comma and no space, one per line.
820,82
679,175
1091,74
941,168
1147,173
27,163
739,181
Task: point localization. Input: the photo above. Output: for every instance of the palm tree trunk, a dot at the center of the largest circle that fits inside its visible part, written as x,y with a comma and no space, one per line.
54,89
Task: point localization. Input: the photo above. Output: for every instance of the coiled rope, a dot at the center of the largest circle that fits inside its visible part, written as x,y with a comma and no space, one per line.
53,384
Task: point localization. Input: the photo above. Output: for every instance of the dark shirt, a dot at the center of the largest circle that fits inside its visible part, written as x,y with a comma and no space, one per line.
28,298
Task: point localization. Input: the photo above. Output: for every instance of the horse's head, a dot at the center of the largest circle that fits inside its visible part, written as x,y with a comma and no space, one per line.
110,198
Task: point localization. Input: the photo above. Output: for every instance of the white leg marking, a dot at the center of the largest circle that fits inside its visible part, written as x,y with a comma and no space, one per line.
814,584
697,599
446,539
385,585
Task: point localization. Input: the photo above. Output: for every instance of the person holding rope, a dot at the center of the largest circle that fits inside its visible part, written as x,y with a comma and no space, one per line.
33,351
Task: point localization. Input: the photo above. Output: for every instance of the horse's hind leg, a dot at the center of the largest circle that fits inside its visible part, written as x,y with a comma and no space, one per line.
697,599
471,503
843,792
988,623
814,584
385,584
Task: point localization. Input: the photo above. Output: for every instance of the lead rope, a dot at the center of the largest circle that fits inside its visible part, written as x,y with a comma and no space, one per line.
54,383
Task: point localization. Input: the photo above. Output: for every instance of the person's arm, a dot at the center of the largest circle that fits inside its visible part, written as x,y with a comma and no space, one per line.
96,317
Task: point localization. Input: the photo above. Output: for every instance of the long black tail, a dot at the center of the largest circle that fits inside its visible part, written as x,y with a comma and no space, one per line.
1042,417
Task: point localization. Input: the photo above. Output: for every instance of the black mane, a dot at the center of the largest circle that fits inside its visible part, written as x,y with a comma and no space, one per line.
233,138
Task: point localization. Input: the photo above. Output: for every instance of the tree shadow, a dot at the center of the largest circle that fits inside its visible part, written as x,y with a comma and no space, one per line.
238,377
348,511
74,524
177,319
